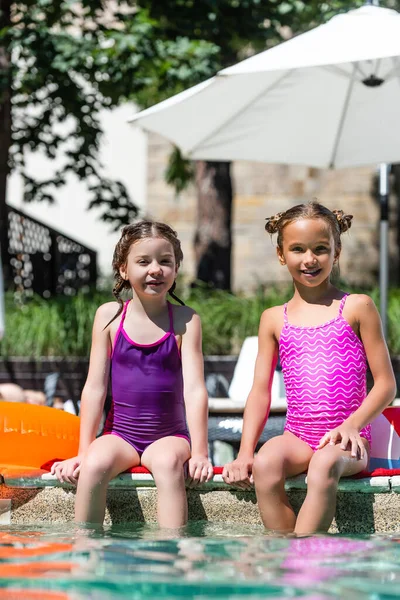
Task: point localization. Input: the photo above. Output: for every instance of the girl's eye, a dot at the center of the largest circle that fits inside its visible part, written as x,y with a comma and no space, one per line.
321,249
297,249
142,262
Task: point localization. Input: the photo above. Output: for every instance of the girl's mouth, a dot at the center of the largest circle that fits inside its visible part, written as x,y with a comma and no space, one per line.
311,273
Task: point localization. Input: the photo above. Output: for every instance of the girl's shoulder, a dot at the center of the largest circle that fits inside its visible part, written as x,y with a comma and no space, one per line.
359,302
179,309
273,313
184,317
107,311
272,320
359,307
108,307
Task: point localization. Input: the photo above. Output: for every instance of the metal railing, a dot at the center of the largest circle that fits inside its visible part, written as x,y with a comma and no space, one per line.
44,261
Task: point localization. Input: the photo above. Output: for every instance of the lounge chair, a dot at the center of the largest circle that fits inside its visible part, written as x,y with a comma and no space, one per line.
226,414
243,380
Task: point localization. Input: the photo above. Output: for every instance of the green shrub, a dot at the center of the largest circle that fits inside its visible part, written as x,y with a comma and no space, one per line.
62,326
394,321
57,327
227,319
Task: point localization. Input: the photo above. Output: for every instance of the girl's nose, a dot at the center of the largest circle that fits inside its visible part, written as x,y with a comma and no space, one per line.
310,259
155,267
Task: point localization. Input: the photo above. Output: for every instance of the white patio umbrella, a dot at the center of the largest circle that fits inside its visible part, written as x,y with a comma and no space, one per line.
327,98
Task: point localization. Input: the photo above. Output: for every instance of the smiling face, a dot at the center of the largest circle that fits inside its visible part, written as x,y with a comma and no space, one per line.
308,251
151,267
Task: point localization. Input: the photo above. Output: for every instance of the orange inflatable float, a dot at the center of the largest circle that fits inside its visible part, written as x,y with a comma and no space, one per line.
32,435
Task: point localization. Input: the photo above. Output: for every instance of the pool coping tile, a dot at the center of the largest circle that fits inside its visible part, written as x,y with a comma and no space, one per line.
395,483
372,485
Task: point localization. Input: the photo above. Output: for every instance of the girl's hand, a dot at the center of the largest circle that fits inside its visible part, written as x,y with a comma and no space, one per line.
239,472
200,470
67,471
348,437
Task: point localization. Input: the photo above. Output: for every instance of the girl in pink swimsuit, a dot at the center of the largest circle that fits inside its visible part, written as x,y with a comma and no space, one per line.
151,351
324,338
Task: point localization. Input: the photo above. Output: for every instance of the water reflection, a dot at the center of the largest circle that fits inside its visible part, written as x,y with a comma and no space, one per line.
204,560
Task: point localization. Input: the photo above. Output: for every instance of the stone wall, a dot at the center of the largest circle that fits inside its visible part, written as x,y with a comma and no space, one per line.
262,190
364,506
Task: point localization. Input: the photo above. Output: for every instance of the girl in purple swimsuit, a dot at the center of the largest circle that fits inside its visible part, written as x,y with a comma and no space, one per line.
324,338
152,350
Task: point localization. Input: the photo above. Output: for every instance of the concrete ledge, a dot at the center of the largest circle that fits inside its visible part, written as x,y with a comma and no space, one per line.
395,484
40,479
370,505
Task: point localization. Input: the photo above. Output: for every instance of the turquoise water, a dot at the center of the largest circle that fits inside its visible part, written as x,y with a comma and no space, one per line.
206,561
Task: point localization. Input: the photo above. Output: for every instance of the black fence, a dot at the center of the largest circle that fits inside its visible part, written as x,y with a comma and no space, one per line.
44,261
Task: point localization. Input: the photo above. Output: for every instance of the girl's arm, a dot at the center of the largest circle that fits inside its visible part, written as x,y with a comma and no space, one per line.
95,389
196,400
258,402
384,388
93,394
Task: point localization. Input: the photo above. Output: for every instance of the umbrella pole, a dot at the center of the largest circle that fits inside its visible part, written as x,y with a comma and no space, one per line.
384,233
384,243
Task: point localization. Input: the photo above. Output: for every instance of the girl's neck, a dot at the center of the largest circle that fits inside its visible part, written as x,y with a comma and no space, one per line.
317,295
151,307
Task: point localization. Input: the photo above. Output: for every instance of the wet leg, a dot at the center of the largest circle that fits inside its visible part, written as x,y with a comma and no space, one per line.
281,457
165,458
105,458
326,467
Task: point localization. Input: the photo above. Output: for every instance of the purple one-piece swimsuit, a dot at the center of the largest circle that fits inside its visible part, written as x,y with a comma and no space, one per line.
147,389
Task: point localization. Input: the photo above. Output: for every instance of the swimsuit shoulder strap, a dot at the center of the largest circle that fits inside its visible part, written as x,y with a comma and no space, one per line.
342,302
285,317
171,317
121,324
124,312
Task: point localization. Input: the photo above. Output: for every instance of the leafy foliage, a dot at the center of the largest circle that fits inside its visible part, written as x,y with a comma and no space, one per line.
67,62
180,171
62,326
237,29
242,27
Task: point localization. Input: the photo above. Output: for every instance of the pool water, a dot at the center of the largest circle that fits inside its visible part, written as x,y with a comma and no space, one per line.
206,561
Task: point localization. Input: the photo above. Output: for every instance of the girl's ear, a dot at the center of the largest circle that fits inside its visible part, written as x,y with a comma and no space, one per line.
123,273
281,258
336,259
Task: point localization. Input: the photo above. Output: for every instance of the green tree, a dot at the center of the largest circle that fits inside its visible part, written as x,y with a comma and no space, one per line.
61,63
239,28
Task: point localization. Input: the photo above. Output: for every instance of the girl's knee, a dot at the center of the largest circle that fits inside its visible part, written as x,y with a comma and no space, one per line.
167,465
324,470
95,466
268,469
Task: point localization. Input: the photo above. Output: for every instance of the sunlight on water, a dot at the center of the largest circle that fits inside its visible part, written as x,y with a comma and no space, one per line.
204,560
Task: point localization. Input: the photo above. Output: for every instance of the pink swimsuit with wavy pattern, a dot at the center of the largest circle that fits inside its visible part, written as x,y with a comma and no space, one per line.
324,370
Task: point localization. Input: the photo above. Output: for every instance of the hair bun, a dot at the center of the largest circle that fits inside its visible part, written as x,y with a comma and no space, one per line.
271,225
343,220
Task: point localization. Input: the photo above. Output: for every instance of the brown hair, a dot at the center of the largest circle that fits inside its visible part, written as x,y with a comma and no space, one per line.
131,234
337,220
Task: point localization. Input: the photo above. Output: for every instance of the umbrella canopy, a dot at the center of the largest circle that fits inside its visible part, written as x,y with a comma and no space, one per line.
326,98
